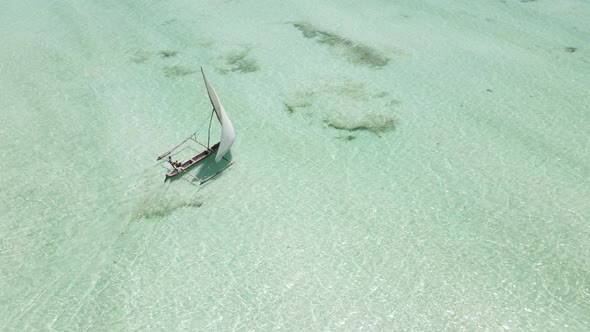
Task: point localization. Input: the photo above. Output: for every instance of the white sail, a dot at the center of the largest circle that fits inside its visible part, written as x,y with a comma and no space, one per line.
227,129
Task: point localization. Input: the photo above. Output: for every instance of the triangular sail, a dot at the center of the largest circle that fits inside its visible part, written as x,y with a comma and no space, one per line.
227,129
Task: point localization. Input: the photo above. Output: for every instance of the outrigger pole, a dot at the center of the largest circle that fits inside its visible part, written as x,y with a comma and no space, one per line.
194,177
174,148
216,173
180,170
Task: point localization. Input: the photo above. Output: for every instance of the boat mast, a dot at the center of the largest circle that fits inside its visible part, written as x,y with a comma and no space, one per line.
209,131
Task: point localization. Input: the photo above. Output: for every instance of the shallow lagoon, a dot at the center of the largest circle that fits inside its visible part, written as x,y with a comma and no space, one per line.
398,166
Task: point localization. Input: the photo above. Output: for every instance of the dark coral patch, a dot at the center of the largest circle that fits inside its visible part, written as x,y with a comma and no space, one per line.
240,61
177,71
168,53
381,94
289,108
393,102
346,138
353,52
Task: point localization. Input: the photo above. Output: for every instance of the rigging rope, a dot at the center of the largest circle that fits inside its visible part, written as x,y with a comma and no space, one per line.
193,137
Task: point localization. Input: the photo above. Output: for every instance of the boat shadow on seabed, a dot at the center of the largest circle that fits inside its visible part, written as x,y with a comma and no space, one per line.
207,170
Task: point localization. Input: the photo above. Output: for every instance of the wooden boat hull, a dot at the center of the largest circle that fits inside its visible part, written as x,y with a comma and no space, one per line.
192,162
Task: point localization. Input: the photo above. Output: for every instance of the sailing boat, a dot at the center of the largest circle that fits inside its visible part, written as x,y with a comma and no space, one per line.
221,147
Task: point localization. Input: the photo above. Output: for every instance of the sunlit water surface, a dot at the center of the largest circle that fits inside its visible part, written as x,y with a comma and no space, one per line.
419,165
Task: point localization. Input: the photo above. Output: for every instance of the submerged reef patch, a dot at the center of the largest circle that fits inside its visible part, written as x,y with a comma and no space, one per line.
301,100
168,53
139,56
289,108
353,52
346,105
239,61
372,122
177,71
393,102
381,94
346,138
349,89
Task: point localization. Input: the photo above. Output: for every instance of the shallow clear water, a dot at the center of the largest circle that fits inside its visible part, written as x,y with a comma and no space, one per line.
408,166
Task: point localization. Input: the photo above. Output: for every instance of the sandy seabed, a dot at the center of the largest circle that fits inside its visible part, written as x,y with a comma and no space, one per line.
419,165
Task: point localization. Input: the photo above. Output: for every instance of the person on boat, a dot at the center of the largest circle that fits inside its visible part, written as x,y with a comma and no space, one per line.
176,164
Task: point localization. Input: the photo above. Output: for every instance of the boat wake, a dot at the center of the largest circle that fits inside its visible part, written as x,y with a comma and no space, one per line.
163,208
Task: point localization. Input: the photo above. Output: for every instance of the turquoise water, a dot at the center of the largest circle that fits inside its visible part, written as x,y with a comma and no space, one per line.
398,166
